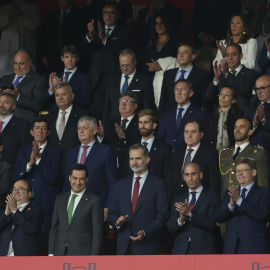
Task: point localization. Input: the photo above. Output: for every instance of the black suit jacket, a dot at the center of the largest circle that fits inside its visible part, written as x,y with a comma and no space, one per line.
5,183
140,85
200,80
242,84
200,229
31,89
206,158
83,236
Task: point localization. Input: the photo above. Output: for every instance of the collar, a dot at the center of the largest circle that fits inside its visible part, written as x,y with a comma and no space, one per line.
248,187
188,69
111,27
6,120
22,206
185,107
131,75
71,70
144,175
79,194
90,144
129,118
243,146
42,147
198,190
237,69
195,148
68,110
150,141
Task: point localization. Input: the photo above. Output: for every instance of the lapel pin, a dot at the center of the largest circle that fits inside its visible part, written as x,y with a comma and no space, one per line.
86,199
137,80
28,209
155,148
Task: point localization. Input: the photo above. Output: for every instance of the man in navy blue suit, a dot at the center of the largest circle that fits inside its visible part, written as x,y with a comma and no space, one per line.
99,159
39,164
192,221
244,208
171,128
20,223
140,208
78,80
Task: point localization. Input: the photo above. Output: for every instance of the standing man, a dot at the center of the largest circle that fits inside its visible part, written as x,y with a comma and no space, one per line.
245,208
26,86
99,160
243,130
192,221
140,208
77,224
172,123
20,223
199,78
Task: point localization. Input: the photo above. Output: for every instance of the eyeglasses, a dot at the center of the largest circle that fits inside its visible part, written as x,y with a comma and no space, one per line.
261,88
107,13
125,101
125,66
243,170
18,189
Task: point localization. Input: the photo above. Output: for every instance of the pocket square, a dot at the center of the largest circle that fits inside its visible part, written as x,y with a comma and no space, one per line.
136,90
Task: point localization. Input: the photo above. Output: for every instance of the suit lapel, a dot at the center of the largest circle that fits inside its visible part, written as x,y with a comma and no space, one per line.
9,127
134,82
92,152
200,200
187,115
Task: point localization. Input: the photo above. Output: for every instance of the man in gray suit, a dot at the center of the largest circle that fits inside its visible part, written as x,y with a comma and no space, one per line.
77,223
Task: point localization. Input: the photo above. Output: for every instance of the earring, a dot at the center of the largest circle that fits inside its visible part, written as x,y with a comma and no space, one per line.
244,33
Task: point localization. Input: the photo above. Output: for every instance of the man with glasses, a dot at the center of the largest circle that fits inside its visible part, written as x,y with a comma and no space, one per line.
244,208
101,48
20,223
129,79
259,113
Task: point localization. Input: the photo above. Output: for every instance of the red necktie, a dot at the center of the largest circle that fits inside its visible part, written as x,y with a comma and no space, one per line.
83,157
1,124
135,194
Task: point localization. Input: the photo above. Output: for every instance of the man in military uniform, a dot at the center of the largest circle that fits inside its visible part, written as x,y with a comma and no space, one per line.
243,129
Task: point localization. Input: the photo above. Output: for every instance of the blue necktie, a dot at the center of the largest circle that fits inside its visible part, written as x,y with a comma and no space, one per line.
16,82
67,73
125,85
193,199
243,193
182,72
179,117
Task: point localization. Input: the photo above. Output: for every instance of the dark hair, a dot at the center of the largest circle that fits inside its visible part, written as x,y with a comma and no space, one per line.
234,107
188,82
148,112
245,37
13,100
78,167
250,162
194,120
140,146
235,45
250,125
184,43
40,119
70,49
131,95
111,4
29,186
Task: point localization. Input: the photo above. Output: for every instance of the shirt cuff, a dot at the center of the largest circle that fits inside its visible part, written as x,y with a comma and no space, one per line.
231,208
88,39
180,223
18,97
50,92
215,83
37,162
100,140
28,169
268,54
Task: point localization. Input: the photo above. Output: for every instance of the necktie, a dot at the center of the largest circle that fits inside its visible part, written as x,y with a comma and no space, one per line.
83,157
70,207
62,125
67,73
179,118
16,82
193,199
125,85
233,71
182,72
145,143
187,159
123,124
135,194
237,152
243,193
108,31
1,125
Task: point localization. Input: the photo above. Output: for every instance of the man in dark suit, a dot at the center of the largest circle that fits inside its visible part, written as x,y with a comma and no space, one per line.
77,225
26,86
231,72
200,80
245,208
39,164
195,152
192,221
99,159
15,131
259,113
78,80
171,128
140,208
20,223
101,49
128,80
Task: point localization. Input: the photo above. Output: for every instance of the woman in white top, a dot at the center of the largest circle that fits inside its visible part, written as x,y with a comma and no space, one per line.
239,33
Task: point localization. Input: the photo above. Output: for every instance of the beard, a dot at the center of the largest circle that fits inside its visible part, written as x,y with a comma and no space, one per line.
146,132
240,138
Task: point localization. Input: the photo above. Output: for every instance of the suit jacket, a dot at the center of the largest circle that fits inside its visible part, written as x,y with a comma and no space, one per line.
5,183
24,236
208,164
31,89
102,171
167,129
200,80
43,177
15,135
227,165
200,229
83,236
81,87
140,85
263,61
150,215
262,132
247,223
242,84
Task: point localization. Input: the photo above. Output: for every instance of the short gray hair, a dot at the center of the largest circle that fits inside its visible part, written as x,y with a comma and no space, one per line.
130,52
92,120
63,84
140,146
26,52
